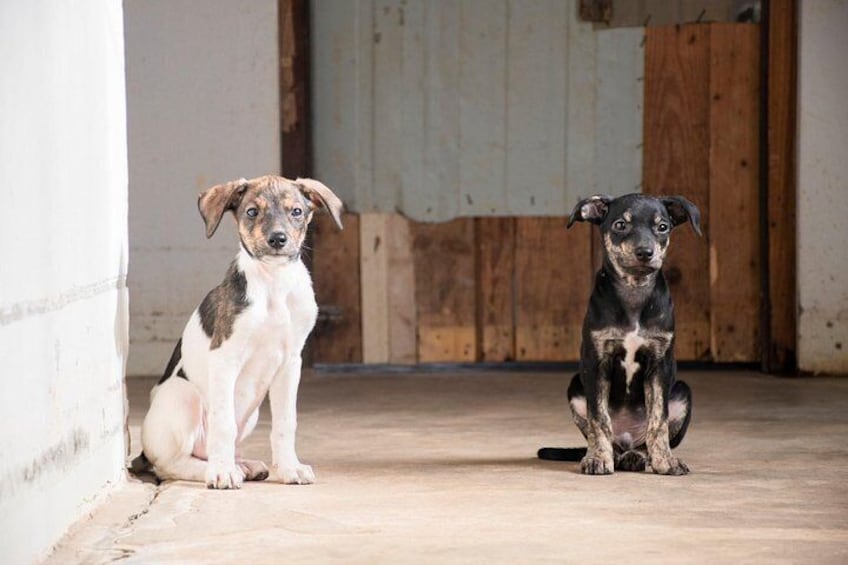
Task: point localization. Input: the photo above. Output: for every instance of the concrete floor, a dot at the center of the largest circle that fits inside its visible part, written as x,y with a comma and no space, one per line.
442,468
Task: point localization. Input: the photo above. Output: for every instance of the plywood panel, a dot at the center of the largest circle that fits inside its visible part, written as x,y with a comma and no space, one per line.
618,120
782,77
431,190
472,108
496,293
676,161
537,103
734,192
482,100
445,290
337,338
390,104
552,279
343,97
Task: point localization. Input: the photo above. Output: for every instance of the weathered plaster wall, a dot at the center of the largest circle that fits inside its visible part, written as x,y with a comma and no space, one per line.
823,187
202,108
63,244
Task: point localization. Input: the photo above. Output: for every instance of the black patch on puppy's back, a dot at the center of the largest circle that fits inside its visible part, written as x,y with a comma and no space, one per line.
222,305
173,362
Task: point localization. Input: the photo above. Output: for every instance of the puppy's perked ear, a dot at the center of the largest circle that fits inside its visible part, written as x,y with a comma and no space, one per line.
680,210
593,209
319,194
213,202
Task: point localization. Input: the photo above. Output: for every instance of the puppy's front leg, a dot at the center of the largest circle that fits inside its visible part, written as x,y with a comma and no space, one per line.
221,469
656,403
599,457
286,467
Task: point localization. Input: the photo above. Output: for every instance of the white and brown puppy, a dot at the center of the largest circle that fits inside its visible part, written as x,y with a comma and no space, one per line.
243,342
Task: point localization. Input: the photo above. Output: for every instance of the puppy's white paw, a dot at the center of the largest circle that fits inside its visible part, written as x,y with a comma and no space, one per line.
297,474
224,476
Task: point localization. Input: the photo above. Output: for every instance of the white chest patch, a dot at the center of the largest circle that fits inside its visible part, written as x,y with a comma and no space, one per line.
632,342
610,341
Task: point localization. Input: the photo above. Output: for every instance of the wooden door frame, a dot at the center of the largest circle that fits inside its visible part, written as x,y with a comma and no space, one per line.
295,88
778,190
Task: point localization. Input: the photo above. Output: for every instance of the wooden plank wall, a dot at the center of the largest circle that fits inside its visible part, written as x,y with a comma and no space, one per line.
734,192
445,286
335,255
701,124
495,289
676,161
473,289
552,286
500,289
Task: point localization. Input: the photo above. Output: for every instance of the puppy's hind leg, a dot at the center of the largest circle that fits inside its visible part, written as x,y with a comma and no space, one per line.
172,428
631,460
679,412
577,403
253,469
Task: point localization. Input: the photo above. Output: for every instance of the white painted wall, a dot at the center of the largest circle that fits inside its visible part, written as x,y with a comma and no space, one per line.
202,105
63,244
823,187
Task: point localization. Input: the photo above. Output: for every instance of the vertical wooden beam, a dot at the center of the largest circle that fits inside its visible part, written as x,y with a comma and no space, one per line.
374,273
337,337
388,289
495,288
734,192
445,290
295,127
553,282
676,161
782,85
403,321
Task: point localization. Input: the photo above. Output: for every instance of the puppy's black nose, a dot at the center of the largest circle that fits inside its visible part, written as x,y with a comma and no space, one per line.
644,253
277,240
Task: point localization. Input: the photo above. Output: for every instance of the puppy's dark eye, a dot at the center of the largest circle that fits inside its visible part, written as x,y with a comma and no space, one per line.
662,228
252,212
619,225
296,212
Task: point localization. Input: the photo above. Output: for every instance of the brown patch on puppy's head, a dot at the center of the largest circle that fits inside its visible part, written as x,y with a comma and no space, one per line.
272,212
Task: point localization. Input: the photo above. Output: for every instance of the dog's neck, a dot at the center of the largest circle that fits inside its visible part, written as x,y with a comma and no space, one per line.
633,290
268,270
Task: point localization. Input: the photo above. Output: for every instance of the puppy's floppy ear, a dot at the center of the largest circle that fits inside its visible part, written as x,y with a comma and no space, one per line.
681,210
213,202
593,209
319,194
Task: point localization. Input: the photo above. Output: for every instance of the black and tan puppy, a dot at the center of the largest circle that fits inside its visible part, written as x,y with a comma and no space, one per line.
625,399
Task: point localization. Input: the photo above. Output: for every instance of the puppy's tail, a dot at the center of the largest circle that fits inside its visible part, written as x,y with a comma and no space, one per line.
562,453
